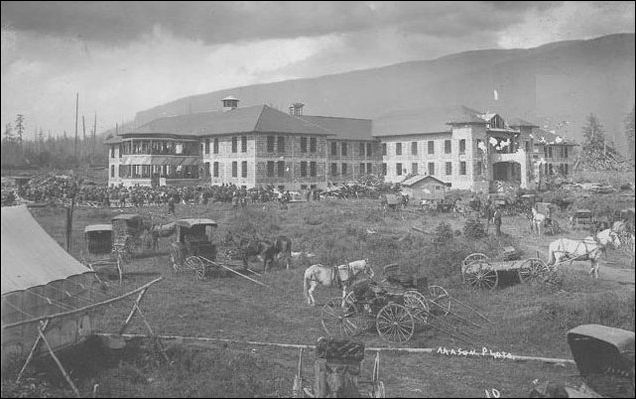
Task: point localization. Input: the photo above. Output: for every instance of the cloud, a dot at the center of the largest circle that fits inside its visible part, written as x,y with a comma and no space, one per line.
226,22
568,21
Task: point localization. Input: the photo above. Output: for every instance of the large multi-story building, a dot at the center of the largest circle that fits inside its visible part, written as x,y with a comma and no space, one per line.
261,146
250,146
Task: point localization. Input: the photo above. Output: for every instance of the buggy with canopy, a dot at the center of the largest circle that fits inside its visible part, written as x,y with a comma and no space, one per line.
127,230
193,249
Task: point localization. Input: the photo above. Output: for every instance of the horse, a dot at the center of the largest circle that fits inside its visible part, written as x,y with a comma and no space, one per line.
342,275
265,250
590,248
538,220
157,231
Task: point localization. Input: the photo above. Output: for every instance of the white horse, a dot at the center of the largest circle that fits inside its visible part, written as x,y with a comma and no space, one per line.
538,220
590,248
343,276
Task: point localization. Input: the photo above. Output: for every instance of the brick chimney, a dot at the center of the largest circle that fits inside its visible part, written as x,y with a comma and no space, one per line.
296,109
230,103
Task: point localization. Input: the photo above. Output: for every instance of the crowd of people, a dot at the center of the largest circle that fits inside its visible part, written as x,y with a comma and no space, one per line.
61,189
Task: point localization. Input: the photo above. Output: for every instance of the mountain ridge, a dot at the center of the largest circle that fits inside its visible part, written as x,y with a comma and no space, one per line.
550,84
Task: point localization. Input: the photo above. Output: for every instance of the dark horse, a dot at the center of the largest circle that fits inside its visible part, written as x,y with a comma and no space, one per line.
265,250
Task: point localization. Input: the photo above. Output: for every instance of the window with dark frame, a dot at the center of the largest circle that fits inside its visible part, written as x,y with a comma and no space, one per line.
303,144
215,169
384,169
313,144
281,168
281,143
234,144
449,168
312,169
334,148
243,143
270,143
303,168
398,169
447,146
270,168
344,149
112,171
344,169
431,147
369,149
398,148
334,169
215,148
383,148
207,146
414,148
431,168
462,146
244,169
462,168
234,169
369,168
414,168
361,168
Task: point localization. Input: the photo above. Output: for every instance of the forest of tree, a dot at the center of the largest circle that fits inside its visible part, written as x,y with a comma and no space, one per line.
44,150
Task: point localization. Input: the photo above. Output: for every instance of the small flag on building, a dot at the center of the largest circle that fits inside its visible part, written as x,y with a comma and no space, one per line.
496,94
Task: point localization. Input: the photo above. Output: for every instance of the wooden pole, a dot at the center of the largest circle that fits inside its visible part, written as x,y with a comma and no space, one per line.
94,135
132,312
34,348
76,115
85,308
59,364
83,147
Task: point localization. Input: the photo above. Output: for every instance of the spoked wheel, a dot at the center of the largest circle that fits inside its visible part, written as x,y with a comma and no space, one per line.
197,265
532,269
339,321
363,317
416,304
441,300
394,323
479,275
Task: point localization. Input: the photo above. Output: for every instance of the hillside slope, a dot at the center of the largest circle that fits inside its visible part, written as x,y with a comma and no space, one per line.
550,84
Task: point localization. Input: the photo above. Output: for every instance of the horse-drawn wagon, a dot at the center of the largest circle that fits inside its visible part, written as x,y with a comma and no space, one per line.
192,250
127,232
392,202
582,218
396,306
98,253
479,272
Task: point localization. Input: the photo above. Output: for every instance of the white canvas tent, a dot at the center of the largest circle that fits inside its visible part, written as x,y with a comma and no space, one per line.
47,295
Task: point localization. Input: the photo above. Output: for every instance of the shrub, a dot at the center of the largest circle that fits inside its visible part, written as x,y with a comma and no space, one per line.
474,229
443,234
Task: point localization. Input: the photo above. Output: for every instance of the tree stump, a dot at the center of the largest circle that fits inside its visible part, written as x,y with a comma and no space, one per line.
337,368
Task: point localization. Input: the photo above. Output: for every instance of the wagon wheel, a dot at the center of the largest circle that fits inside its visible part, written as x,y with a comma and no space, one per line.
339,321
197,265
481,276
416,304
395,323
440,297
363,317
478,256
532,270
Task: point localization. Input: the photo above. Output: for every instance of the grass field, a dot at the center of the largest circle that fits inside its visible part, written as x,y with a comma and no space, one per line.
526,319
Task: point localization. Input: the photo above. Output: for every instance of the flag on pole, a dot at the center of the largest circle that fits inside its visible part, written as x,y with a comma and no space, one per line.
496,94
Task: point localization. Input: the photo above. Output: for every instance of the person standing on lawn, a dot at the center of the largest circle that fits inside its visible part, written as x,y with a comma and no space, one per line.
497,221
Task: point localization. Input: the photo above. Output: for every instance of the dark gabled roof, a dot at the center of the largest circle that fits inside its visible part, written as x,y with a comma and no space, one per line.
344,128
259,119
518,122
541,136
425,120
416,179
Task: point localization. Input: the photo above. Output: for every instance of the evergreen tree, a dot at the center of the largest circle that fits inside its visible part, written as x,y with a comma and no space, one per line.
593,134
629,133
8,134
19,127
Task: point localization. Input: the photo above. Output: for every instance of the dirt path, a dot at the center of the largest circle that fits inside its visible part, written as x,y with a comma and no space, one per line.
614,269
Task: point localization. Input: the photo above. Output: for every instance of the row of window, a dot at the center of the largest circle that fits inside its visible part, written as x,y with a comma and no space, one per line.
400,170
431,147
550,152
156,171
364,149
344,169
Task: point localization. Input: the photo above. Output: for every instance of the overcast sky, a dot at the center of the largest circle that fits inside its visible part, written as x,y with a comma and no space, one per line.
124,57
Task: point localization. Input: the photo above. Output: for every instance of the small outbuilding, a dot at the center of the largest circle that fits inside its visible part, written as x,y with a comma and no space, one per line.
424,188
